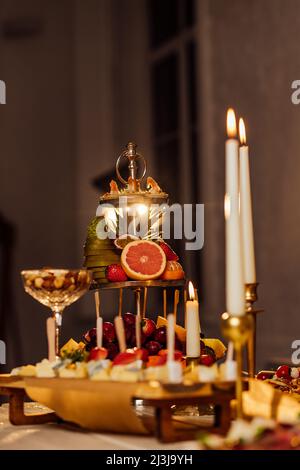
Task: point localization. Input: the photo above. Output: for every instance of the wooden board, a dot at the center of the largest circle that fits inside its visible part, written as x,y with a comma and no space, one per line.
99,405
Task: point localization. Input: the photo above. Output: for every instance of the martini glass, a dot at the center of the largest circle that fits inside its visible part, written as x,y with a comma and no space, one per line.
56,289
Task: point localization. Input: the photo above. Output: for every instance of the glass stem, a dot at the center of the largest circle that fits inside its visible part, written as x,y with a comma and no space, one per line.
57,314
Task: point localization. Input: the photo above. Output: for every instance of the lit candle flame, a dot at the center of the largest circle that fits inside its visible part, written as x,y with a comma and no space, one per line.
242,131
191,291
231,123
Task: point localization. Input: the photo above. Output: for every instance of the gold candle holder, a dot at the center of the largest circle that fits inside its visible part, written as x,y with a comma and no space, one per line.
250,294
250,299
238,329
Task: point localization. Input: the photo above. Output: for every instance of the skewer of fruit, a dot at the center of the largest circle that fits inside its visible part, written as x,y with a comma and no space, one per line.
115,361
99,320
153,340
163,322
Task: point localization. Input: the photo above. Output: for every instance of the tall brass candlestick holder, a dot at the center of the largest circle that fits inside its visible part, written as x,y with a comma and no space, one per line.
238,329
251,298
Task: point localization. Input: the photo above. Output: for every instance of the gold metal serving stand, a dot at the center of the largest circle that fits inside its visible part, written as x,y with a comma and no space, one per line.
137,284
140,289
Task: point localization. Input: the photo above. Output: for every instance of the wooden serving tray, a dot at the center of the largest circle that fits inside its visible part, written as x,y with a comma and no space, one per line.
14,388
108,406
167,428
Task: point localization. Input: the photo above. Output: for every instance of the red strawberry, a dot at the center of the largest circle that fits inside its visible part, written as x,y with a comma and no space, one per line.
170,254
161,361
141,353
164,354
124,358
97,354
115,273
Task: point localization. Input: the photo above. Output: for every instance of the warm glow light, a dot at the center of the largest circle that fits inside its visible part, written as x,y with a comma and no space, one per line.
235,321
227,206
242,131
141,209
191,291
231,123
137,209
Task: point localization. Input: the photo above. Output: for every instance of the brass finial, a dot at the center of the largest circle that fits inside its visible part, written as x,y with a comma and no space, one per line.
132,156
131,149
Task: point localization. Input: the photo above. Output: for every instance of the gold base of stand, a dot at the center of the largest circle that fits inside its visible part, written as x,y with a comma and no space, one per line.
238,329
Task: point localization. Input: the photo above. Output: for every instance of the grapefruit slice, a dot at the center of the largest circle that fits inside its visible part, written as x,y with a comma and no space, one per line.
143,260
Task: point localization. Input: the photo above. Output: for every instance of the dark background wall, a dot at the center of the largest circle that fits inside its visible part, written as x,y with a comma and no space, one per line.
252,60
81,82
38,153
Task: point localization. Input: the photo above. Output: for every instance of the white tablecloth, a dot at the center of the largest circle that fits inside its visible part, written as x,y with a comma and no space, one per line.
62,437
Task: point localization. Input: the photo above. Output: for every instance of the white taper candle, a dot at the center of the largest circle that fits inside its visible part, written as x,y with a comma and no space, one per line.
235,289
192,325
246,209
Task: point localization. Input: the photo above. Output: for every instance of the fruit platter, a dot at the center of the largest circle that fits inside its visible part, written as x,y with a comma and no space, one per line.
82,385
153,358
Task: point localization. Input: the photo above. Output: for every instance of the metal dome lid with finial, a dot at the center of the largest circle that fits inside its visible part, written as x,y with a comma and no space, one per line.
131,186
